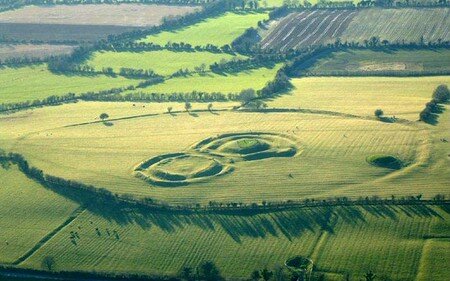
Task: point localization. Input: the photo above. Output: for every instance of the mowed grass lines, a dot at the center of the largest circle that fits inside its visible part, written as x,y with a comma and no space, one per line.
37,82
435,260
402,97
334,151
217,31
385,239
28,213
396,25
162,62
211,82
357,62
391,248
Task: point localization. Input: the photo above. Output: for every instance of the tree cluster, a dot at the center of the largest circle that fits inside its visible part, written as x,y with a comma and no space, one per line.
440,96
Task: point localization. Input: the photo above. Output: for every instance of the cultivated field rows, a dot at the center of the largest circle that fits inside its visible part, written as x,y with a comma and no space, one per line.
309,28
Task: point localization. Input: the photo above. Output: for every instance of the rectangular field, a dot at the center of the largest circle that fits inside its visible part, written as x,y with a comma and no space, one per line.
211,82
400,97
59,32
82,23
37,82
137,15
391,62
308,28
162,62
8,51
217,31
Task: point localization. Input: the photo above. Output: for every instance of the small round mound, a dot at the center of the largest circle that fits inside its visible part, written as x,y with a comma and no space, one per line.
180,169
385,161
248,146
245,146
299,263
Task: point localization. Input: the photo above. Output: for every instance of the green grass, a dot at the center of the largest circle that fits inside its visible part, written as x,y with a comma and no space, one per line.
385,239
217,31
400,97
210,82
37,82
356,62
28,213
162,62
435,258
79,153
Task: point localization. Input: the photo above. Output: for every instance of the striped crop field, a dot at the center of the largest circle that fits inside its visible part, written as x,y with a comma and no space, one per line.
308,28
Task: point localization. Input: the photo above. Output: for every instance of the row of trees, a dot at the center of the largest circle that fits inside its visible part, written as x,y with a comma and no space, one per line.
194,96
440,96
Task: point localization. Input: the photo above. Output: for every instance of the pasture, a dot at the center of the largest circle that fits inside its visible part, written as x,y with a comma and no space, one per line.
318,143
385,239
218,31
400,97
302,29
37,82
392,62
162,62
211,82
8,51
76,152
28,213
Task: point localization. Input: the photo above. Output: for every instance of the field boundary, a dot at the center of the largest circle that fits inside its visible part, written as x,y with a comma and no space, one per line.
50,235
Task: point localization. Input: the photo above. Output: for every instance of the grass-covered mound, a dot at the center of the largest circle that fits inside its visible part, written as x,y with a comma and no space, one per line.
299,263
179,169
248,146
385,161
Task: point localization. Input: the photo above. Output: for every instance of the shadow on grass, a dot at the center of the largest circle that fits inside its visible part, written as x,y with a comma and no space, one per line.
289,224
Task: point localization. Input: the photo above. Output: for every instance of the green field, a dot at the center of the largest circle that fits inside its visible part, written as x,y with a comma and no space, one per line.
162,62
217,31
385,239
211,82
364,62
150,188
78,152
37,82
28,213
400,97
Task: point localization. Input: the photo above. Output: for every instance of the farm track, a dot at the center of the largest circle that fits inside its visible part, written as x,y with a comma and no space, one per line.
49,236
